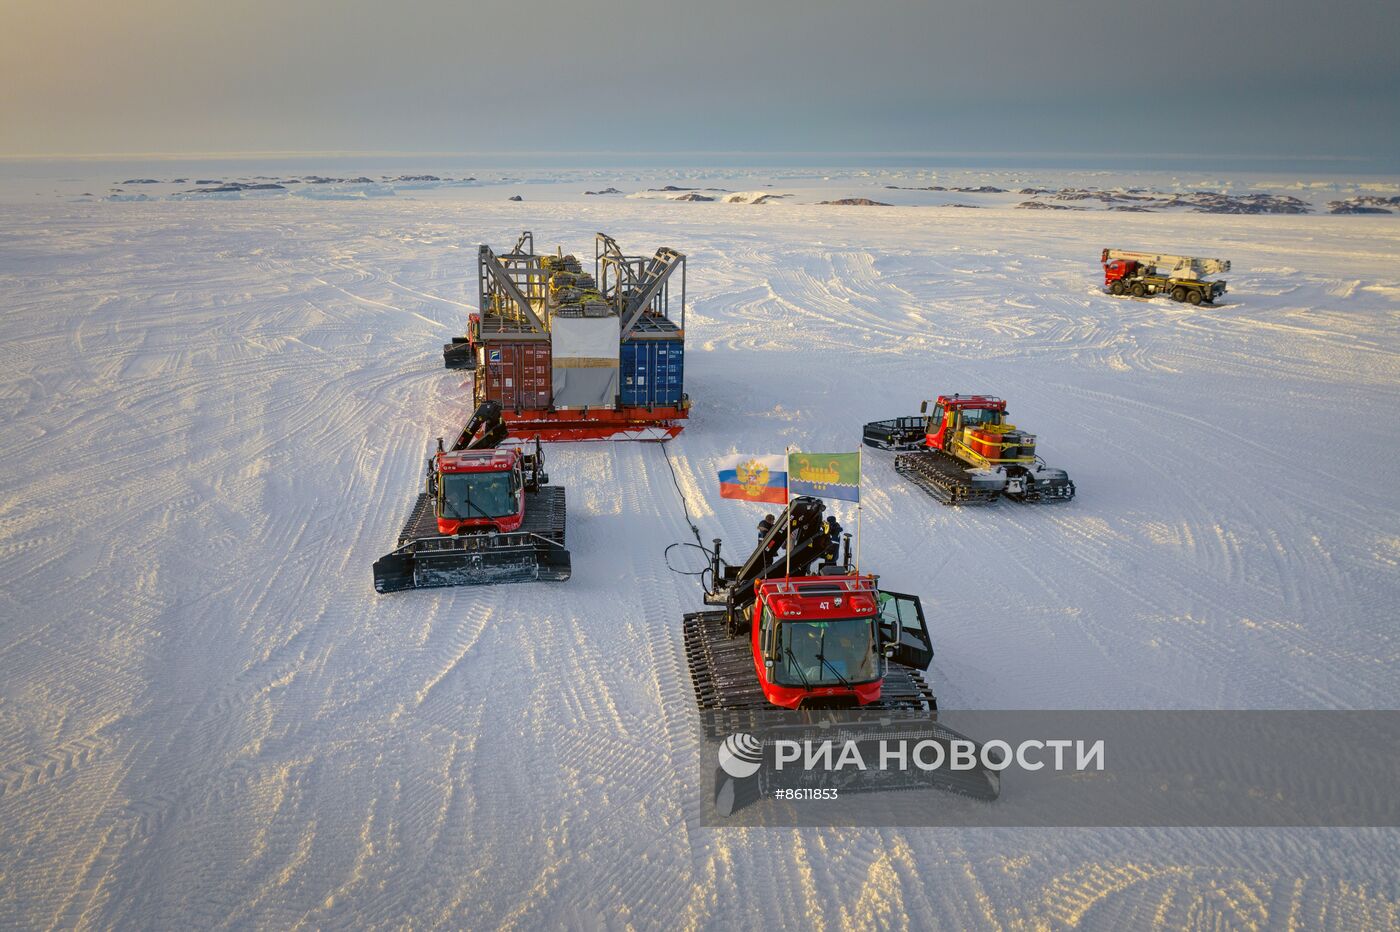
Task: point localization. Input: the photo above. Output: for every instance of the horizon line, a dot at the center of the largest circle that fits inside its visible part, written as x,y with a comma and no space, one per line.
669,153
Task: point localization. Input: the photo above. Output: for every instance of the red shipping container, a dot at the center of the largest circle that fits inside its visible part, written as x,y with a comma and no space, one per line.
518,375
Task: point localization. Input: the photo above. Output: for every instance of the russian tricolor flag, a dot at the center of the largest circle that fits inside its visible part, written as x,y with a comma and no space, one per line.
754,478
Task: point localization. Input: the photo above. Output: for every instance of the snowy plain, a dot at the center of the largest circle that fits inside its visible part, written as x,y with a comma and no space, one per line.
214,416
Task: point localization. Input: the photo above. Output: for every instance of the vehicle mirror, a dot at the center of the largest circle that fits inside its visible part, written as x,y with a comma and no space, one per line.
923,407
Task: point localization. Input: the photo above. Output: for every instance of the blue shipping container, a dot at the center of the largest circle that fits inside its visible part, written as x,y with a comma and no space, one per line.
652,372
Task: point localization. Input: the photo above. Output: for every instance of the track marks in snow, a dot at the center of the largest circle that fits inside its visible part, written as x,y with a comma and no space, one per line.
208,717
53,765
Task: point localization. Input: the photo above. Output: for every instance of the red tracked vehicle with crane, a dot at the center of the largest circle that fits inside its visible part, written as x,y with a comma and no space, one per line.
804,630
796,627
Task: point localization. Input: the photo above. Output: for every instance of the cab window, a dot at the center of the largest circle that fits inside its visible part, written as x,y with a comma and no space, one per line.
975,416
767,640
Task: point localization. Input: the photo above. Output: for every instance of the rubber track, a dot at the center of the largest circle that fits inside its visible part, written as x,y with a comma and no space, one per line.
943,477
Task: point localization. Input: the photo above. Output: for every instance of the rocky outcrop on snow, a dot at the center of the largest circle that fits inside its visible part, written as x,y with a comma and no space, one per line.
419,180
1046,205
1364,204
855,202
692,196
752,197
140,181
515,197
607,191
236,186
1347,207
1211,202
981,189
1077,194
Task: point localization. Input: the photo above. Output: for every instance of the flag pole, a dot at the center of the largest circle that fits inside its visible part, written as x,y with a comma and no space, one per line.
787,511
860,475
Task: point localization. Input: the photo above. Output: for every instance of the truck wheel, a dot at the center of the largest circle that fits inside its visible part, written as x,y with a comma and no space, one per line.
1139,290
1194,297
1178,293
1116,288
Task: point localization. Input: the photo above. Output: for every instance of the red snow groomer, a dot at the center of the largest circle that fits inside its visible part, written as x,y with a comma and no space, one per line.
485,517
571,355
804,630
965,452
798,628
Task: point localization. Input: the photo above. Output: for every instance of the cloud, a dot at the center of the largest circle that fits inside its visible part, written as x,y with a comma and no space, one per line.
1078,75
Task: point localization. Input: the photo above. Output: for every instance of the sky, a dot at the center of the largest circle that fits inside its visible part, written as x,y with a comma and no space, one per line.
1291,78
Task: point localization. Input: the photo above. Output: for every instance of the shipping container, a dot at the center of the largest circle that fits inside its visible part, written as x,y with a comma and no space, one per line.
585,361
518,375
652,373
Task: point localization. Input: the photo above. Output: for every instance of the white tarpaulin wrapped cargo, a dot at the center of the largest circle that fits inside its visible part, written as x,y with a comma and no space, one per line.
585,351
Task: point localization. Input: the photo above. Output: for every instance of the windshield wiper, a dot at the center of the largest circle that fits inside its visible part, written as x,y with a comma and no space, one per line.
821,655
467,501
479,510
798,667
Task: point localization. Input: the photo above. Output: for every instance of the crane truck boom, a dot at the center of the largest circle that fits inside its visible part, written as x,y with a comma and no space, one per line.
1178,266
1141,274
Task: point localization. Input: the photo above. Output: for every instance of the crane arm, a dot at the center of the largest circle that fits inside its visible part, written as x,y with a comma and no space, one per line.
1182,266
484,431
800,528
